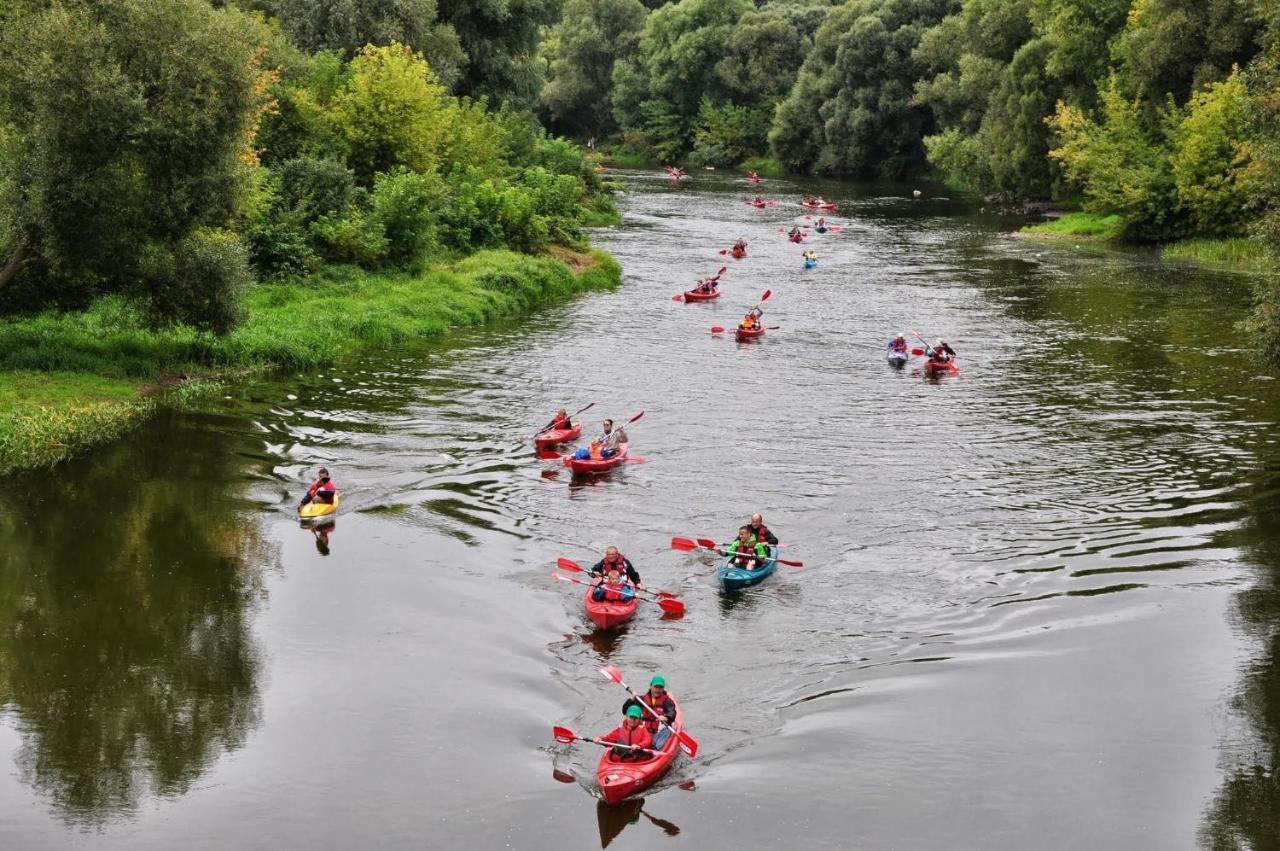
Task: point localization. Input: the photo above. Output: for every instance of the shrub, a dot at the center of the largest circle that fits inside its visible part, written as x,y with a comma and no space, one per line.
200,283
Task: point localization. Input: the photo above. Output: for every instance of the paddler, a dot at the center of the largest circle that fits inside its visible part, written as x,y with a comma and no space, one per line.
632,732
898,343
758,201
615,561
740,245
761,532
322,490
660,702
811,255
605,445
560,422
613,588
751,321
940,351
747,551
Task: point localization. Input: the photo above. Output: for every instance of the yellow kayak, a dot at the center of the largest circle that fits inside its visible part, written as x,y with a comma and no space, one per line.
318,509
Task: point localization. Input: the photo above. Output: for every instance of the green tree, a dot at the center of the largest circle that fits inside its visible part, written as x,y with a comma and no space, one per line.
1216,177
500,41
115,155
591,36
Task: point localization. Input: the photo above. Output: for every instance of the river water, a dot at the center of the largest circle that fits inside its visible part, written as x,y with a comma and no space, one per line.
1039,606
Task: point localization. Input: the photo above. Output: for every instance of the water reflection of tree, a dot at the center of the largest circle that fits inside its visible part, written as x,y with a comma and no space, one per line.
1245,812
127,582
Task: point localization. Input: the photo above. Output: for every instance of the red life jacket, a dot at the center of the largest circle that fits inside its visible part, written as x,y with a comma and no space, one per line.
317,486
560,424
613,593
639,737
650,719
761,532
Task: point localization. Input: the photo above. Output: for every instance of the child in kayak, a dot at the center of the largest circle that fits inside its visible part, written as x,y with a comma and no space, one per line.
747,551
761,532
615,561
613,588
751,321
633,733
659,701
898,343
821,226
322,490
558,423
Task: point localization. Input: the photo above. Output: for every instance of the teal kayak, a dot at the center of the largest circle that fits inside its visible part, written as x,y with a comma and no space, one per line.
733,578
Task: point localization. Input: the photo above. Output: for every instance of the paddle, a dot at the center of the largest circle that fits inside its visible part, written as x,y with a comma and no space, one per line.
551,454
685,545
716,329
707,542
668,604
573,567
565,736
687,743
571,416
714,278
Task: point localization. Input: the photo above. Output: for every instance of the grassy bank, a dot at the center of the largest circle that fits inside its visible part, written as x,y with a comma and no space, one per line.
763,166
1238,252
1078,226
75,380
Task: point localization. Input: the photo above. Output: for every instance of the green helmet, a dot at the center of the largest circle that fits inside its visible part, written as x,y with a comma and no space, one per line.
634,711
658,680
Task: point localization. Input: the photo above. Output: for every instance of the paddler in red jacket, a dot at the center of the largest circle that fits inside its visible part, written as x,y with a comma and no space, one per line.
322,490
660,702
615,561
559,422
632,732
761,532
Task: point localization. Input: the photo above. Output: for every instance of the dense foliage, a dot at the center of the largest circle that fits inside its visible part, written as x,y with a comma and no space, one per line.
175,151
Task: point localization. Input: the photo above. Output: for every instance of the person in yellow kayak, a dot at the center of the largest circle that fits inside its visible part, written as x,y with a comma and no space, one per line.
322,490
660,702
632,732
747,551
751,321
810,254
605,444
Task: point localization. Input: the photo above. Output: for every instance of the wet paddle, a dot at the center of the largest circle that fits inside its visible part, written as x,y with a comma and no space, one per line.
574,567
565,736
687,743
668,602
686,545
551,454
571,416
716,329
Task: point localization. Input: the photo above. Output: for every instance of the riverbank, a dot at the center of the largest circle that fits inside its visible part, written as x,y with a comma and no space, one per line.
1236,252
76,380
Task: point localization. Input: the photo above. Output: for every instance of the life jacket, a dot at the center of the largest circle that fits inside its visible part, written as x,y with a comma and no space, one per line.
760,533
748,323
745,551
560,424
326,488
613,593
620,565
638,736
650,720
898,345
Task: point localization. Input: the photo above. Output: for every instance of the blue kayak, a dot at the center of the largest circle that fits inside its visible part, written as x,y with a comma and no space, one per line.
809,264
734,578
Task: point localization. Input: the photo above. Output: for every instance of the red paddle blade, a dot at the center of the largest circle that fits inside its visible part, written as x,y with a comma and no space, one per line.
723,269
611,673
671,607
563,735
678,297
687,743
707,543
566,564
548,454
635,418
766,295
716,329
917,352
790,563
724,251
682,544
635,460
665,595
563,776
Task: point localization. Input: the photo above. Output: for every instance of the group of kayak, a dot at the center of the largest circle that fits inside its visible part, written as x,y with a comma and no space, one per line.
606,450
939,357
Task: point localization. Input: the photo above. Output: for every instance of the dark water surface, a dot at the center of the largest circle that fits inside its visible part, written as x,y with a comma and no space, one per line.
1039,606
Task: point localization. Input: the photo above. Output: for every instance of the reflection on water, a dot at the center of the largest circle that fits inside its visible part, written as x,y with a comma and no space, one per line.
613,819
125,600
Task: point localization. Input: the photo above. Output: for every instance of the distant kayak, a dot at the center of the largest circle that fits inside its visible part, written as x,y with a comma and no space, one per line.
825,205
895,358
933,367
809,264
737,253
749,334
318,509
734,578
694,295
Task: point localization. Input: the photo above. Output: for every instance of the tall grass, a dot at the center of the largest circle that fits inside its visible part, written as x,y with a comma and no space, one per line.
1227,251
763,166
1080,225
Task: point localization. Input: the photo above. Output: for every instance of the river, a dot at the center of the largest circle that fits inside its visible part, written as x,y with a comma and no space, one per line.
1039,604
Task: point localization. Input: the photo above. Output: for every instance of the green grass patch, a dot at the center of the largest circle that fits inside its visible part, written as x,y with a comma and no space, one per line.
624,157
1227,251
763,166
1080,226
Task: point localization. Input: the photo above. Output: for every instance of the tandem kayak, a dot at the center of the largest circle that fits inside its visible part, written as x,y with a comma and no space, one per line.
617,779
745,334
694,295
607,615
895,358
318,509
556,436
737,254
587,466
933,367
809,264
733,578
797,238
826,205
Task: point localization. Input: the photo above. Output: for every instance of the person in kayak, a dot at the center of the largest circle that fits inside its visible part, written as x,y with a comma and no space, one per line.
794,234
615,561
605,445
751,321
322,490
747,551
613,588
940,351
558,423
758,201
898,343
632,732
740,245
755,178
810,255
761,532
660,702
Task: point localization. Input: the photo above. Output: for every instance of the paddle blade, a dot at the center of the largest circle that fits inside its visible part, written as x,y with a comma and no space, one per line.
611,673
688,744
635,418
665,595
716,329
548,454
707,543
678,297
587,408
790,563
571,566
671,607
635,460
917,352
766,295
682,544
724,251
723,269
563,735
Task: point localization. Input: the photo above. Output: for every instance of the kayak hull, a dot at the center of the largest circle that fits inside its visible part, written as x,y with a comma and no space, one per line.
619,780
935,368
608,615
797,239
736,578
312,510
743,334
556,436
809,264
808,206
693,295
737,255
591,466
895,358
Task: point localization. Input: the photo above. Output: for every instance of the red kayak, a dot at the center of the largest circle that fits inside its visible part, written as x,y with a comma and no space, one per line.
737,254
617,779
587,466
694,295
933,367
607,615
826,205
798,237
556,436
744,334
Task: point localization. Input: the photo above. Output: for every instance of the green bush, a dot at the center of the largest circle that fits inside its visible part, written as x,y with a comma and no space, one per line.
200,283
